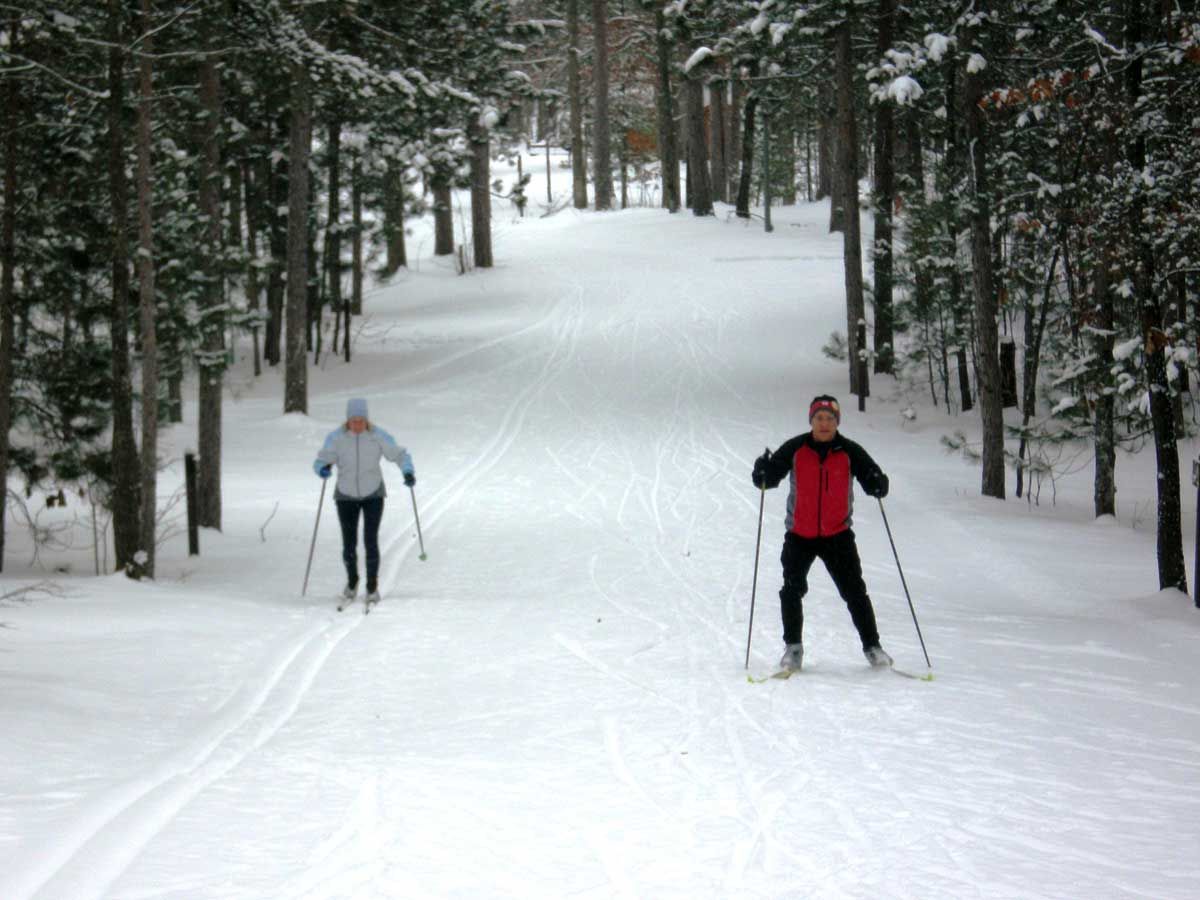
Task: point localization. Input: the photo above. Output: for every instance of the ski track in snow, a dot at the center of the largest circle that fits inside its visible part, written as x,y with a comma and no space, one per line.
112,829
676,777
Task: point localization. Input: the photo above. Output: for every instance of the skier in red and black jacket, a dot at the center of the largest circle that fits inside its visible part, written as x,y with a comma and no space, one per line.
820,465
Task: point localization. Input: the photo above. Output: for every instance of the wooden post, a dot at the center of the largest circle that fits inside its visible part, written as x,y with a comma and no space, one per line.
193,526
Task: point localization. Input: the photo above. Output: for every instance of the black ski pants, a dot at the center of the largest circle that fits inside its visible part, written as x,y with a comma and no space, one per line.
372,513
839,553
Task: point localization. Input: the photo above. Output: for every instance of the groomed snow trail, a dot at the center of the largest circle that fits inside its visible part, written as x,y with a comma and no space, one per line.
554,704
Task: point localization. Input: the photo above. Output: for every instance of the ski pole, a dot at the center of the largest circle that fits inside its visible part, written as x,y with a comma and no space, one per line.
762,499
417,516
911,608
313,546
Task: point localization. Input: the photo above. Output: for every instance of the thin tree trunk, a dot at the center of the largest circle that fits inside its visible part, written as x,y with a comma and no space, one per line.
575,100
212,356
851,234
601,125
397,252
333,233
699,181
716,140
1104,492
481,192
276,188
733,140
826,139
295,396
667,133
443,216
987,338
748,113
8,261
253,282
885,198
356,235
145,268
126,470
1171,568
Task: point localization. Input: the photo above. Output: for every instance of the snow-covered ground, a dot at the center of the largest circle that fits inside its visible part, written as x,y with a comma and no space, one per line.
554,704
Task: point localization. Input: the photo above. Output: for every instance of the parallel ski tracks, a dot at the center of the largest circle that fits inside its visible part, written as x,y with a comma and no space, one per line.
115,826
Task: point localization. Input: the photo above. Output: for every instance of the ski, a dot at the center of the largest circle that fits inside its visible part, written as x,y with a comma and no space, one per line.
367,604
928,676
343,603
781,675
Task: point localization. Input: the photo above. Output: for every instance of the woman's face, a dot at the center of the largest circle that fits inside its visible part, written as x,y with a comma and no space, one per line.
356,424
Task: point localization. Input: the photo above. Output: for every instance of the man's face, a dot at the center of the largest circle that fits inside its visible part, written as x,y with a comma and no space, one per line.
824,426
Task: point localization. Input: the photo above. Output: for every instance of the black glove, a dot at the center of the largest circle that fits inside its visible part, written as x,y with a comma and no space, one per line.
326,471
759,476
877,485
409,479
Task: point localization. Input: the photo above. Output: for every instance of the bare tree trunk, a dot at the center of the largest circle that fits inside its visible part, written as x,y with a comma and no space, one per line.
275,181
212,356
443,216
356,234
826,138
987,338
295,394
481,192
253,282
575,101
126,504
1104,492
601,125
393,190
699,181
733,140
885,198
333,234
851,235
667,144
8,261
145,268
748,113
1172,572
716,140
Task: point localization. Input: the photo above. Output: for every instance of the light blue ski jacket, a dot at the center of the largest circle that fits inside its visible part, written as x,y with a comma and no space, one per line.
357,457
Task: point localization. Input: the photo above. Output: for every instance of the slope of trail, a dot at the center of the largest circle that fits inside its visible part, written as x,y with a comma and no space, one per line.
554,704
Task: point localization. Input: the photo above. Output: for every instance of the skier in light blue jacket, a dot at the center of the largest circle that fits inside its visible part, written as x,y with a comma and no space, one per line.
356,448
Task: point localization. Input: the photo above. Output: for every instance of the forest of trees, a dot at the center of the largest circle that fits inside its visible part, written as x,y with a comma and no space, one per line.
181,176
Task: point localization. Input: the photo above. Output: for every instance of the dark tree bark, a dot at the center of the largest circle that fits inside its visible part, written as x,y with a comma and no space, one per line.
601,124
750,110
826,140
8,261
443,216
667,133
1172,572
212,357
716,140
253,282
1104,492
575,100
126,469
145,269
356,235
275,179
397,251
295,395
987,337
699,181
481,193
885,198
851,235
733,140
333,235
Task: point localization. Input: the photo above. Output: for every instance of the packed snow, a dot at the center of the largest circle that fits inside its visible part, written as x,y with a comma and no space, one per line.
555,703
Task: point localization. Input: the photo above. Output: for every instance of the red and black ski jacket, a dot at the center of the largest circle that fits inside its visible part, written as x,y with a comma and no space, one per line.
821,496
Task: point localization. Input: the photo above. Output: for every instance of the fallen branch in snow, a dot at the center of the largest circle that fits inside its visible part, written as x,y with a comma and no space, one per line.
262,531
23,594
